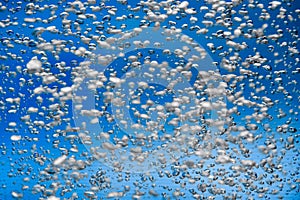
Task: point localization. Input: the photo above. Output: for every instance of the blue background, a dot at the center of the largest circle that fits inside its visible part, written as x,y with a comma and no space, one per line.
16,164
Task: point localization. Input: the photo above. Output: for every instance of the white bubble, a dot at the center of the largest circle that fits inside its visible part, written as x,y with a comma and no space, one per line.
183,5
60,160
34,65
16,137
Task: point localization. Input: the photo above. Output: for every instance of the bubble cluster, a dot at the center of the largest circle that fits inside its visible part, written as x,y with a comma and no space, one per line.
149,99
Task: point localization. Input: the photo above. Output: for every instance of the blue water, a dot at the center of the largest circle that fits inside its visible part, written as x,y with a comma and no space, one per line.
27,165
